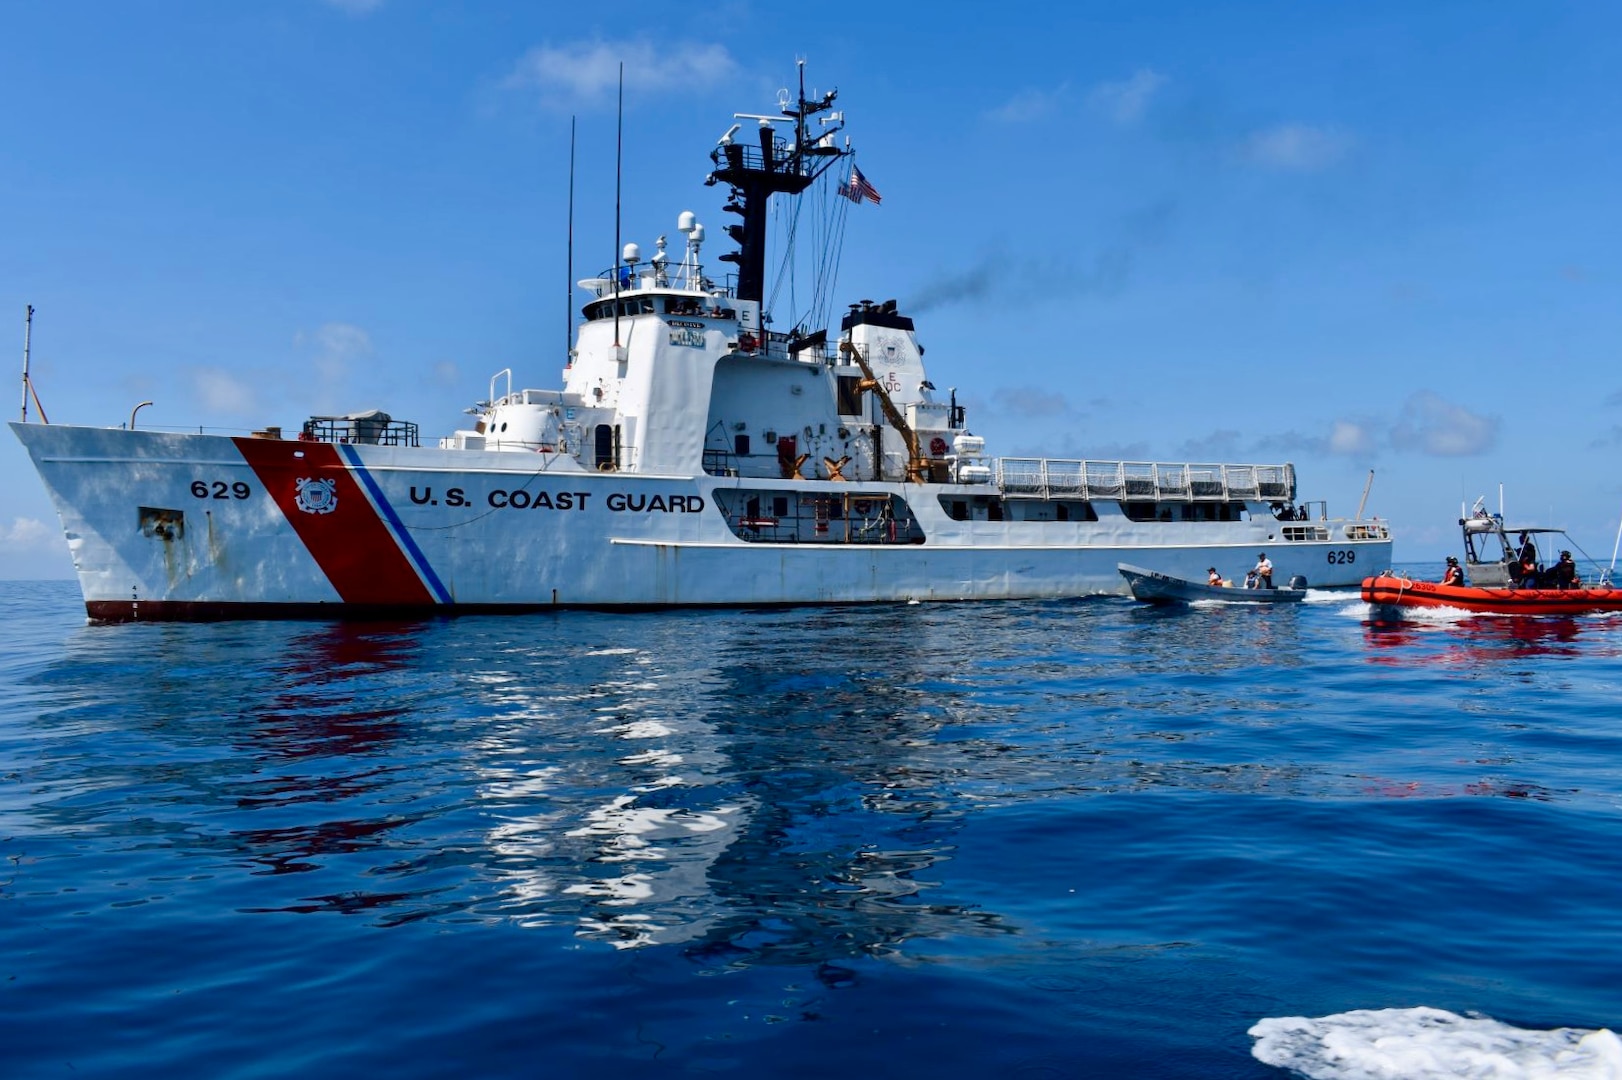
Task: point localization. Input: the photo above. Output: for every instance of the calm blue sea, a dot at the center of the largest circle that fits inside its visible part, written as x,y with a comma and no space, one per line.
1062,839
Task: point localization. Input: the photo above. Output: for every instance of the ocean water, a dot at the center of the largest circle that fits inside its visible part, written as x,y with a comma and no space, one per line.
1061,839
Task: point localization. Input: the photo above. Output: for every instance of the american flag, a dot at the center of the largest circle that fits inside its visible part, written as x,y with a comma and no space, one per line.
859,189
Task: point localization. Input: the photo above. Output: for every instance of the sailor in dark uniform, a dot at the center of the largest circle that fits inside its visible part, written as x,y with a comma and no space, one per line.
1524,570
1563,574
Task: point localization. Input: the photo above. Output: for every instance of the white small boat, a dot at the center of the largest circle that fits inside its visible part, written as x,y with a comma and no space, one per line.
1157,588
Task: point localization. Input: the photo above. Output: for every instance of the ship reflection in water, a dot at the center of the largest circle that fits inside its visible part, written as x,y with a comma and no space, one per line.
792,786
1466,637
765,785
1000,839
755,806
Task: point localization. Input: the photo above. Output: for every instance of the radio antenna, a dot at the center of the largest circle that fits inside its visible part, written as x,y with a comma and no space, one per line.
619,155
28,334
568,282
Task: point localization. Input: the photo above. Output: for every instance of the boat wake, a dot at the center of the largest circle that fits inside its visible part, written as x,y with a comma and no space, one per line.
1421,1043
1429,616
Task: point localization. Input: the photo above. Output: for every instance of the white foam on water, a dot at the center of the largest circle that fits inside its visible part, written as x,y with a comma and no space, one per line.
1425,1043
1420,616
1439,615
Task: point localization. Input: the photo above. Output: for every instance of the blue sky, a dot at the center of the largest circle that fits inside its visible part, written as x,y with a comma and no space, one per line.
1371,236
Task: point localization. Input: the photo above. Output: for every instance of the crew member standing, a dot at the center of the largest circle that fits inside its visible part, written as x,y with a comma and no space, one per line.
1263,572
1526,563
1454,575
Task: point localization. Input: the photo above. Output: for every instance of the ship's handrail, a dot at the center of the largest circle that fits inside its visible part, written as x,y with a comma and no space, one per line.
1048,478
780,346
746,155
351,429
623,280
1335,529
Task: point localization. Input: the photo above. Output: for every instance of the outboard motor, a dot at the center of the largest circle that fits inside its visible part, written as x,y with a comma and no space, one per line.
1298,581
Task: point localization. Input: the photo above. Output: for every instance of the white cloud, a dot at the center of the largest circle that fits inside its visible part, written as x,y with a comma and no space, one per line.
28,534
1113,451
446,373
1612,438
1126,102
1426,424
1433,425
222,392
1029,401
333,350
1350,437
587,73
336,345
1224,444
343,340
1029,105
1296,148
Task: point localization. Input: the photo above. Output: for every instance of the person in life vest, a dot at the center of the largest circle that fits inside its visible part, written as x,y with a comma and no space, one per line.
1454,575
1529,550
1214,578
1524,570
1563,574
1263,571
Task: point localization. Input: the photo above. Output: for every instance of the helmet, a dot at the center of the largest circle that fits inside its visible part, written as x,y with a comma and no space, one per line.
1453,560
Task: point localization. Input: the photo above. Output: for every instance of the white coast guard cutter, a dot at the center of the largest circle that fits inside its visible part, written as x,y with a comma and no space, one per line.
693,456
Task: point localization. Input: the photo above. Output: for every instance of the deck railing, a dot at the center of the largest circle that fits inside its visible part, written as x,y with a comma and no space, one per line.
381,430
1050,478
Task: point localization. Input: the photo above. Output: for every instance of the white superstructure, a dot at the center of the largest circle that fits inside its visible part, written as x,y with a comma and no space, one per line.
692,456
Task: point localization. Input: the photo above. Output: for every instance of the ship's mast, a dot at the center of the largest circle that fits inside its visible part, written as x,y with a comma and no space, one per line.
755,173
28,337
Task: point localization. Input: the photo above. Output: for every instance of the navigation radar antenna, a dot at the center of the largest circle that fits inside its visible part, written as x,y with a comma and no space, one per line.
774,165
687,224
659,259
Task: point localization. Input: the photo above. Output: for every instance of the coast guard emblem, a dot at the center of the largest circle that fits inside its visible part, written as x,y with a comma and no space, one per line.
317,496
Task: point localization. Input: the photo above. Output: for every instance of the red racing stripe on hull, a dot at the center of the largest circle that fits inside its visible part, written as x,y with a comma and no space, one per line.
339,527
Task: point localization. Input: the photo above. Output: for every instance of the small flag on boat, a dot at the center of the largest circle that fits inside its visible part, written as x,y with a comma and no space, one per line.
858,188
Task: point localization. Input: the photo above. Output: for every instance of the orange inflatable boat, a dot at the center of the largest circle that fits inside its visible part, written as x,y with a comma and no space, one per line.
1390,593
1507,570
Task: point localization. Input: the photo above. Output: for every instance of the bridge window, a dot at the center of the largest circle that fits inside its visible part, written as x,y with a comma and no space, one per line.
852,517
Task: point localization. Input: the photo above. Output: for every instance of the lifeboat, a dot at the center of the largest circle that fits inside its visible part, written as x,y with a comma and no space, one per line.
1390,593
1509,570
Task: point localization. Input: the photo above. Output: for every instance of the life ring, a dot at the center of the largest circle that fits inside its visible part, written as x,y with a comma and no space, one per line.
937,446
